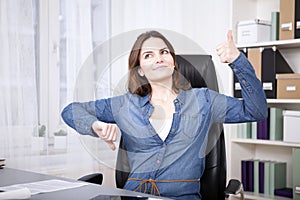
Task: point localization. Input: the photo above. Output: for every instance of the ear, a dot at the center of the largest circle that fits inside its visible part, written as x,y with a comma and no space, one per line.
141,72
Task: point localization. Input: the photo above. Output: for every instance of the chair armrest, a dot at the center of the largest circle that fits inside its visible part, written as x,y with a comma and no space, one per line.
234,187
95,178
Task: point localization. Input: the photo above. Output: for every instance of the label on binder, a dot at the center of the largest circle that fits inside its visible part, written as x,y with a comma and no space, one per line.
297,189
267,86
237,86
298,25
287,26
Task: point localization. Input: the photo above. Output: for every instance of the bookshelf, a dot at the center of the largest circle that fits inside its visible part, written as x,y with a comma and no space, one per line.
241,149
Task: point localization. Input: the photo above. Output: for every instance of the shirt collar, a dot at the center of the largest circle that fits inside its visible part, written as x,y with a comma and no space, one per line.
144,100
181,96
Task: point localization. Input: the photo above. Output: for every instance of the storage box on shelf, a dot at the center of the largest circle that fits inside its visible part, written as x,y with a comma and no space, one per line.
291,122
288,86
251,31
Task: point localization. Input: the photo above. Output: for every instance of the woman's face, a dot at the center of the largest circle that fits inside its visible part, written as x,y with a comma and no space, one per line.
156,61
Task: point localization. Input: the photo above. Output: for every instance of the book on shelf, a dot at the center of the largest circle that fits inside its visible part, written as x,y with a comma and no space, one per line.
256,176
277,176
276,123
267,178
284,192
296,174
274,26
254,130
244,170
247,174
263,129
261,171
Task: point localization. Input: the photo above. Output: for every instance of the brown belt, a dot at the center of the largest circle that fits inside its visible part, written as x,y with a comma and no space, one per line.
154,188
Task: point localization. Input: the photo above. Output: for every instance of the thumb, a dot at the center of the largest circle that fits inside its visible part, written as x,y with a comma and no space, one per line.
229,36
111,145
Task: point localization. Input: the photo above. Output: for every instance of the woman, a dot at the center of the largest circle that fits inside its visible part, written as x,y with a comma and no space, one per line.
163,121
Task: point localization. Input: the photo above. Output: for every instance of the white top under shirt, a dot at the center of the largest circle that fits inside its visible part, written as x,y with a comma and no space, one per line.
162,127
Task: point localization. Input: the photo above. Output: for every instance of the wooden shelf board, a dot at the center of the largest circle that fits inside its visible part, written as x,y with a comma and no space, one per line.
293,101
266,142
294,43
251,195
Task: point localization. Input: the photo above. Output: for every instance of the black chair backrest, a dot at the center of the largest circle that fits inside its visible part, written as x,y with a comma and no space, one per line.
200,71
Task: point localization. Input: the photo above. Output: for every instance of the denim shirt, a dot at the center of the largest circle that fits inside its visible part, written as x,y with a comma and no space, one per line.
182,155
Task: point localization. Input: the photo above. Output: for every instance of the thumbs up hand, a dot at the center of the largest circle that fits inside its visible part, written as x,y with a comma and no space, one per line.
227,51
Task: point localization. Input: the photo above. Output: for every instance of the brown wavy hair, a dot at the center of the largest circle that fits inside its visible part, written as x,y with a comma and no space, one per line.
139,84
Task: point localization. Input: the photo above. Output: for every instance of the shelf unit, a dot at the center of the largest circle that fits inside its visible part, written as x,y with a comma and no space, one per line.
242,149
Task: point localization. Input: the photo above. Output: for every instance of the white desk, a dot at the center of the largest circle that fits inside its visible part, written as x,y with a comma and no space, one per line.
9,176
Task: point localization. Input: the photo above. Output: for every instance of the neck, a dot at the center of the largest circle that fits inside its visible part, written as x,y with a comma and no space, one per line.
162,93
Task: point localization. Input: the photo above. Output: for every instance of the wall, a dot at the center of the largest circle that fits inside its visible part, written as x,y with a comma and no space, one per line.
205,22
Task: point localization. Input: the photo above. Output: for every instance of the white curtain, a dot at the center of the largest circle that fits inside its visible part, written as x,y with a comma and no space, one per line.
87,25
78,32
81,26
18,88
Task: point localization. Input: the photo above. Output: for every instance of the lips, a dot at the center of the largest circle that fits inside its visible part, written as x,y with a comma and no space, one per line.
156,67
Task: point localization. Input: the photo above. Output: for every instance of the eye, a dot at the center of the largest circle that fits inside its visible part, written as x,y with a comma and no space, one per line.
165,51
148,55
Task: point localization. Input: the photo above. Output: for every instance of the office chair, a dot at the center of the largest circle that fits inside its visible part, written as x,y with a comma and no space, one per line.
200,71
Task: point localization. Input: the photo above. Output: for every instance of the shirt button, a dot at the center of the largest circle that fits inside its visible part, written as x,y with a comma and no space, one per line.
157,161
243,81
173,130
234,69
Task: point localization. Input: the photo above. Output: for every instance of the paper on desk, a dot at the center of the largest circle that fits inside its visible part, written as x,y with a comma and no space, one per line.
45,186
22,193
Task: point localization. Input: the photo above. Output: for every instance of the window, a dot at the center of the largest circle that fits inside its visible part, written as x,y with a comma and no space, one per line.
51,40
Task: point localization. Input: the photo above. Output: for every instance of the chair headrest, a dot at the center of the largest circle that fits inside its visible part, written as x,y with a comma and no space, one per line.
199,70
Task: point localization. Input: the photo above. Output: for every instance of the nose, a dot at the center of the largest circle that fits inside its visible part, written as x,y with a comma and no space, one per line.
159,58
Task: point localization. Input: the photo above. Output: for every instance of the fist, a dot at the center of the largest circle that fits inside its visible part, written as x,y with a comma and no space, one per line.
106,132
227,51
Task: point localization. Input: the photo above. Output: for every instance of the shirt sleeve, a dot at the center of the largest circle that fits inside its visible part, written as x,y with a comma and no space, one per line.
251,107
80,116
